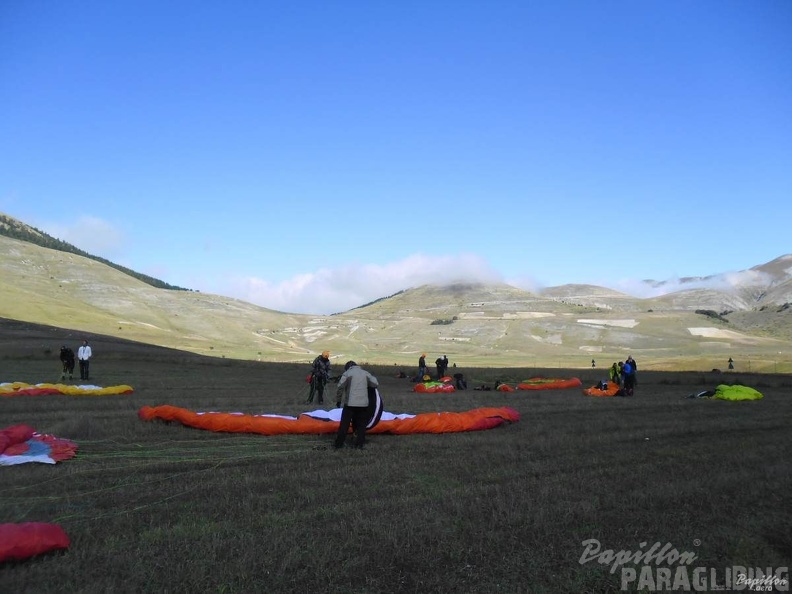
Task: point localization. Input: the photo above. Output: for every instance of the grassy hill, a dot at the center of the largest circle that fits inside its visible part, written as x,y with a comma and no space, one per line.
475,325
11,227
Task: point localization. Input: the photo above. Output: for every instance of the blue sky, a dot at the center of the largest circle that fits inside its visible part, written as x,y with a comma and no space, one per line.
314,156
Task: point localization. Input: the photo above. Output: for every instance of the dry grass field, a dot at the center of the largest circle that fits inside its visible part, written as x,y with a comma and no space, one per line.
157,507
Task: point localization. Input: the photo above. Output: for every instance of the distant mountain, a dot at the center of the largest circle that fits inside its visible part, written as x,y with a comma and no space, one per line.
745,316
762,285
592,296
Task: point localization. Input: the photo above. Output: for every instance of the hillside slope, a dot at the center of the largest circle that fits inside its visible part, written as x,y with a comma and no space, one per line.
484,325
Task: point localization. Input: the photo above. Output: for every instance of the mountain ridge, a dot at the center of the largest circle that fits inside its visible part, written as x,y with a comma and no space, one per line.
473,323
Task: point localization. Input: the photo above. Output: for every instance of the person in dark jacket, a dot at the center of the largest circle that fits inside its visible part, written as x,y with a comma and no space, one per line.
421,367
67,361
628,373
352,392
320,373
442,366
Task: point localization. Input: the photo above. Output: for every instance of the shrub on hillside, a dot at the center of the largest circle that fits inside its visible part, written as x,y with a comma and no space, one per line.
713,314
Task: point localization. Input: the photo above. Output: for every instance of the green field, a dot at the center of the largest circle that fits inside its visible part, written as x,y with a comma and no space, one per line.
157,507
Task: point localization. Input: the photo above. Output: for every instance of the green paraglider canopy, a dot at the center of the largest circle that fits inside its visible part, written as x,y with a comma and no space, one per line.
724,392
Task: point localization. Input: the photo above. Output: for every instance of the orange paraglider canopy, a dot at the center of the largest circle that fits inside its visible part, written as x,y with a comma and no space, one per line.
612,389
549,383
326,422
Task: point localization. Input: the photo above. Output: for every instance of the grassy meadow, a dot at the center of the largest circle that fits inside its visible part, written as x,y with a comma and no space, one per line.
157,507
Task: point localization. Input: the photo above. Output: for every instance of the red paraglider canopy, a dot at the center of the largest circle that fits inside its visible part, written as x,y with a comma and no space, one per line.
20,541
20,444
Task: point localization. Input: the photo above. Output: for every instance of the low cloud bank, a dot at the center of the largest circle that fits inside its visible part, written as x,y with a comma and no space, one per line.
727,282
333,290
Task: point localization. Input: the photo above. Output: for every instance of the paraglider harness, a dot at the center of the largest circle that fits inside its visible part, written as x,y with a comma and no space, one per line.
459,381
317,384
311,379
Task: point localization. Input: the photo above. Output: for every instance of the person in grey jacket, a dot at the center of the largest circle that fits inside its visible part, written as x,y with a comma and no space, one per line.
353,393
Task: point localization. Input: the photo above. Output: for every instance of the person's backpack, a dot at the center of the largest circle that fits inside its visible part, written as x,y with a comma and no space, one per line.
460,382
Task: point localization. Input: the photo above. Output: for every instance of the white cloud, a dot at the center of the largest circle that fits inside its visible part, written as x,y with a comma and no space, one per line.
727,282
331,290
527,283
91,234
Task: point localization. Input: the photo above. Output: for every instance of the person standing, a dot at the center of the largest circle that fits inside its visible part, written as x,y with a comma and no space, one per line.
634,366
352,392
628,373
443,366
439,366
320,373
614,374
67,361
421,367
84,354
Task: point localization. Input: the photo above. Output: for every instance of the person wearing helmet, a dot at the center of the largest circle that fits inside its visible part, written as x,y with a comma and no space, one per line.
352,392
320,373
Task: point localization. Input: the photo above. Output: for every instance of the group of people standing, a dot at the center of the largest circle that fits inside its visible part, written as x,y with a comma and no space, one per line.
84,354
625,373
441,363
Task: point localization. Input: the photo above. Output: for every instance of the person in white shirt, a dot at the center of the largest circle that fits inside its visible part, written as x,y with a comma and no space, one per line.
84,354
